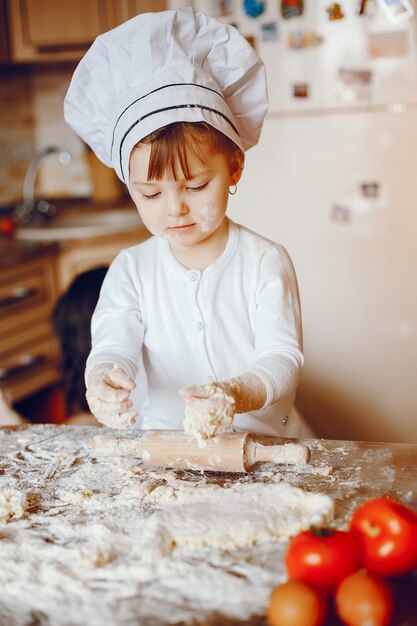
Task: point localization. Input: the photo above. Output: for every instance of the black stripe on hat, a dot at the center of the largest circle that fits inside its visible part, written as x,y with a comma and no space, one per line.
154,91
178,106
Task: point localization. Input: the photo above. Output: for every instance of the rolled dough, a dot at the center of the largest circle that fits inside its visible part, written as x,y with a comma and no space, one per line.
199,516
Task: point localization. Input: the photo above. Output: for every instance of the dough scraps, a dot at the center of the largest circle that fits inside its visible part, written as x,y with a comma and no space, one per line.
197,517
13,504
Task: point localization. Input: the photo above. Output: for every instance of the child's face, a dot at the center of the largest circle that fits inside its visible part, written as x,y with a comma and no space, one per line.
187,212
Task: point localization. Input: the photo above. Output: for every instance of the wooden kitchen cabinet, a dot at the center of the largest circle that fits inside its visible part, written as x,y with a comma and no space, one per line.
129,8
28,347
49,31
4,44
46,30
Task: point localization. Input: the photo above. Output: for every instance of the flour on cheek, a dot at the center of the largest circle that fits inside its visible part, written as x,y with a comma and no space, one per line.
166,234
208,217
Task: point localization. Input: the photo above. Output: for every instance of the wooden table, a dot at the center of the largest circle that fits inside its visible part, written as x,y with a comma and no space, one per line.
70,558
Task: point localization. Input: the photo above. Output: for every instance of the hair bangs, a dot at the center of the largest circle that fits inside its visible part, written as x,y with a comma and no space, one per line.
170,150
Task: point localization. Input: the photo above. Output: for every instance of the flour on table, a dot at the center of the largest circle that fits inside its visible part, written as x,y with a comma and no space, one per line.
75,497
70,555
204,516
13,504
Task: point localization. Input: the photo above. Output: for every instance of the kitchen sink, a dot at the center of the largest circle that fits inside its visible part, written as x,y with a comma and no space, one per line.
81,225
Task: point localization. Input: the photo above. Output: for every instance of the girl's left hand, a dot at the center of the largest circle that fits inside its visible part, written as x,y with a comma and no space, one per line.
209,410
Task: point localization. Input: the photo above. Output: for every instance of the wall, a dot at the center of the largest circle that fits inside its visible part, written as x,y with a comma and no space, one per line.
17,129
31,118
357,276
49,89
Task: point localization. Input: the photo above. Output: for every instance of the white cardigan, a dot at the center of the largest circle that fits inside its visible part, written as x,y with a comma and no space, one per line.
168,326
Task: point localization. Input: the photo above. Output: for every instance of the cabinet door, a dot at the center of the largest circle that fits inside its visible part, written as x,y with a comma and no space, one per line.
4,47
125,9
28,348
46,30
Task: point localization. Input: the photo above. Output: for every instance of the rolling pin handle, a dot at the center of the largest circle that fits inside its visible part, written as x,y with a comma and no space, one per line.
289,453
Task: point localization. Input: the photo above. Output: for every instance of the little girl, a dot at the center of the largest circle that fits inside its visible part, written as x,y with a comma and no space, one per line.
203,318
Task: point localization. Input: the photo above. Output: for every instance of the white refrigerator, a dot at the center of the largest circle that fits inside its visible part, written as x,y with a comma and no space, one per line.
334,179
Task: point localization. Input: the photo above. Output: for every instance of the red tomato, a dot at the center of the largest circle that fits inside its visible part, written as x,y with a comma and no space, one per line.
364,600
387,531
296,604
322,557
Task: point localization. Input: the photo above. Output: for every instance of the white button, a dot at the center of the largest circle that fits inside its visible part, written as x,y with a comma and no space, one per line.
199,326
193,276
210,379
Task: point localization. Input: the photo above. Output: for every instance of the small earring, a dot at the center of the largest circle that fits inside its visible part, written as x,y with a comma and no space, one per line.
232,193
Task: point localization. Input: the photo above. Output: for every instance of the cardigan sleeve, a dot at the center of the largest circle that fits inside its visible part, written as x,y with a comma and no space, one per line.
116,326
278,357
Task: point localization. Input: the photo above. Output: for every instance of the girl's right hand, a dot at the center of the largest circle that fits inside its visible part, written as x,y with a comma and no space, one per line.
108,396
209,410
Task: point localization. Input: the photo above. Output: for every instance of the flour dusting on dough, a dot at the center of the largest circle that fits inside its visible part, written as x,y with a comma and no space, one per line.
199,517
209,416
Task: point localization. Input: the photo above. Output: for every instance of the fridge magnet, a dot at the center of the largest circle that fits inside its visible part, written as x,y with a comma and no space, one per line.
221,8
253,8
389,44
303,39
340,213
291,8
269,31
354,85
334,12
396,10
300,90
366,7
370,189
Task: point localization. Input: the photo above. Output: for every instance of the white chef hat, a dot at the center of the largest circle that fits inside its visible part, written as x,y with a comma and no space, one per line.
160,68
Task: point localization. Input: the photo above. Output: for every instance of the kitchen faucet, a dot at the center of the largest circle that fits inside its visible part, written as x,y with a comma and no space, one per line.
30,211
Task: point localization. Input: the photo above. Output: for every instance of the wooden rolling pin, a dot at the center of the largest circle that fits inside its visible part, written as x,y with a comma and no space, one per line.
229,452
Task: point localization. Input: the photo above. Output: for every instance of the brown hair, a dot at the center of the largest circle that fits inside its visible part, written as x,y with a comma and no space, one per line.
171,144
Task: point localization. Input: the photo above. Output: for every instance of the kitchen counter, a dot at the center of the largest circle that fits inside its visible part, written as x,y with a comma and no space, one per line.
67,554
13,252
